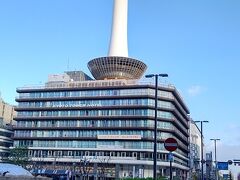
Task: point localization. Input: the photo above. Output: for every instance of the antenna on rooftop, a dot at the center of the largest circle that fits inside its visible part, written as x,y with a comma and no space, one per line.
67,63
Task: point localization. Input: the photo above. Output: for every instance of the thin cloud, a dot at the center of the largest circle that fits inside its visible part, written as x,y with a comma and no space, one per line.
195,90
233,127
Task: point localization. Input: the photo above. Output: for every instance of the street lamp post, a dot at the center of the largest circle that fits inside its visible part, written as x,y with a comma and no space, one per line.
155,121
215,150
202,161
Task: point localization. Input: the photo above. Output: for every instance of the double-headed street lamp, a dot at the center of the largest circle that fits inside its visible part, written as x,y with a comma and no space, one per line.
202,161
155,121
215,149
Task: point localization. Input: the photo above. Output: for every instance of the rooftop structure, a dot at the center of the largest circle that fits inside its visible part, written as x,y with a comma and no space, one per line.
117,65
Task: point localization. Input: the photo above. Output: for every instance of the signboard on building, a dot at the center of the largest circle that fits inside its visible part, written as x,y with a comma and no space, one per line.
119,137
74,105
222,165
109,147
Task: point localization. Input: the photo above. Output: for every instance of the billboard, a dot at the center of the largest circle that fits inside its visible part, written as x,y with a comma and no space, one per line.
222,165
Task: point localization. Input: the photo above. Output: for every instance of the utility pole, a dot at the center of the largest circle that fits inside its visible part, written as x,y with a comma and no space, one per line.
215,150
202,161
155,122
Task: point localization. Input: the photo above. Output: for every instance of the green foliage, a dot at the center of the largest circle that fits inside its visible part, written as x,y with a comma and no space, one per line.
195,177
18,156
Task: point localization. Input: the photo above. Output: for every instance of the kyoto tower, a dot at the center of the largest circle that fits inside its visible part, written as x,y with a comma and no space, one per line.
117,65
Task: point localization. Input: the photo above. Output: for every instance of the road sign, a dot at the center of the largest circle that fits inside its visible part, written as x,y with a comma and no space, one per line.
171,144
236,162
170,156
222,165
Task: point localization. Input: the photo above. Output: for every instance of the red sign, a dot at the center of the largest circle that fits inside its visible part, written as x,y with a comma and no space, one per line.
170,144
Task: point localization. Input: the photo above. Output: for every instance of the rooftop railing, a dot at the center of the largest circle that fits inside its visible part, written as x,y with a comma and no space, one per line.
95,83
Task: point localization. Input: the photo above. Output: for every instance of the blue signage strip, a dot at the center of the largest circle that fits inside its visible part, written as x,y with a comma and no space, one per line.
170,156
222,165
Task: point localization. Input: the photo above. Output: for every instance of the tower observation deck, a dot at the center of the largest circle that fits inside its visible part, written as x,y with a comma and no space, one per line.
117,65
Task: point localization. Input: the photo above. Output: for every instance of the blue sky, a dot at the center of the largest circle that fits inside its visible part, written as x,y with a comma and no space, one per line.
196,42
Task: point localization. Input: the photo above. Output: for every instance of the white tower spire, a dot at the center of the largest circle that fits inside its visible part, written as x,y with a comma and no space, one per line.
119,43
117,65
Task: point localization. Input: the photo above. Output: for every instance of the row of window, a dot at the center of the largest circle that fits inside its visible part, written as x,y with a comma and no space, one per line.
87,155
98,123
83,93
93,134
93,103
113,145
116,112
89,133
95,123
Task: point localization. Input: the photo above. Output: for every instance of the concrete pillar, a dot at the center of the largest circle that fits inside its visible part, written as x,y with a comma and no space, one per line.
117,171
134,171
95,174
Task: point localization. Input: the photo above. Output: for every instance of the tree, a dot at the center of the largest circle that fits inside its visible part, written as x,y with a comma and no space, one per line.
103,164
18,156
